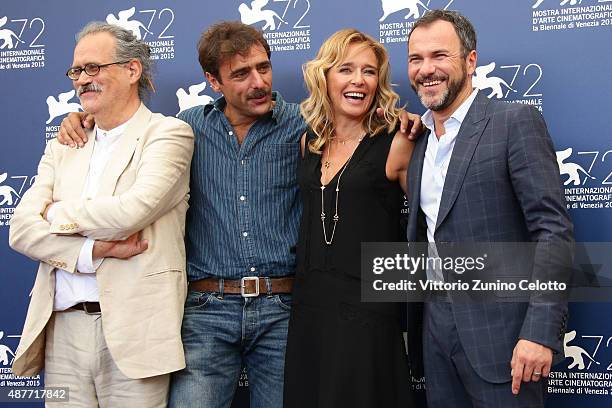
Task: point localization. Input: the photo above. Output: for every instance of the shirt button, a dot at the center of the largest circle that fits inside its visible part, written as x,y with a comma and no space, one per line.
230,133
242,162
252,269
242,198
245,234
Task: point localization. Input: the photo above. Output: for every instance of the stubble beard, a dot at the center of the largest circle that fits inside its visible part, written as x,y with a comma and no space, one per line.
447,97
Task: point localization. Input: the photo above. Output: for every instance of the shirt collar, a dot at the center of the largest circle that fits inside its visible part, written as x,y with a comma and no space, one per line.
459,114
112,133
220,103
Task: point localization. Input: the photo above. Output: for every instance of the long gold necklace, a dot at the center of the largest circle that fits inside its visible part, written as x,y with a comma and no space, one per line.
333,139
346,139
336,216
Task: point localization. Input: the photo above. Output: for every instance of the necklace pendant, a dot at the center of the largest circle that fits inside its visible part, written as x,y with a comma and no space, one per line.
326,164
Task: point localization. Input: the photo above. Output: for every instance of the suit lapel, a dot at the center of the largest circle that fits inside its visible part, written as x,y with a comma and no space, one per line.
77,168
467,139
415,173
124,151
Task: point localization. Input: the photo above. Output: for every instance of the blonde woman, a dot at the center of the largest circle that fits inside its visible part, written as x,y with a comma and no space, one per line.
342,352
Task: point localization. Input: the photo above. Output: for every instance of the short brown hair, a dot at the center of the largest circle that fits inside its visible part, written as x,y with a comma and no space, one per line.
463,27
224,40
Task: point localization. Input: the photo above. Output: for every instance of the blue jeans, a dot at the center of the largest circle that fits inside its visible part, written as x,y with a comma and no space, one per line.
222,332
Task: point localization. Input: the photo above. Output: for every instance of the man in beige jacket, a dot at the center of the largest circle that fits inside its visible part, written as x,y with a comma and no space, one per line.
106,223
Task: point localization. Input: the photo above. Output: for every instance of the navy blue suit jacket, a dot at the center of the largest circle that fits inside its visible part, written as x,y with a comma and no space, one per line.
502,185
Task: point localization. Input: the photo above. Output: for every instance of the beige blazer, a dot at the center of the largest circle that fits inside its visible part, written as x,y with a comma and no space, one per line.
145,187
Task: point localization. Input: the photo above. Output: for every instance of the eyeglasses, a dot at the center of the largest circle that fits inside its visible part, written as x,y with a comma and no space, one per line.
90,69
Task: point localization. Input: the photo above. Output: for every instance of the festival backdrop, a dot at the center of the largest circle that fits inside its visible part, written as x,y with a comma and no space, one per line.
552,54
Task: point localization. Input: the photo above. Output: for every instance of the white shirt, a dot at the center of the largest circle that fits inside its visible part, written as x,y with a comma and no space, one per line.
81,286
437,157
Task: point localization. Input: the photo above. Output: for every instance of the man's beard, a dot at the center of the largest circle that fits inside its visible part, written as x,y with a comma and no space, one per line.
447,97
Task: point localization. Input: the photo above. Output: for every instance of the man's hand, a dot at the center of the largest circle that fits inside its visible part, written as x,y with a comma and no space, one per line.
71,131
45,213
133,245
410,123
530,362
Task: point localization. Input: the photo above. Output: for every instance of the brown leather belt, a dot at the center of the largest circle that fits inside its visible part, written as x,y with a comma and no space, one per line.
249,286
88,307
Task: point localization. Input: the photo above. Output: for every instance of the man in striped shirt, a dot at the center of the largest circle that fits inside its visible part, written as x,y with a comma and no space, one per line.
242,226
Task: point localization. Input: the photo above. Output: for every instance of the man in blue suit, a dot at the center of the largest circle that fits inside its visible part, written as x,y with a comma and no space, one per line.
485,173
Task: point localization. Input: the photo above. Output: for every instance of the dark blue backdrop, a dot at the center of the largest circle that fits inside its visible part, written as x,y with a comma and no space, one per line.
554,54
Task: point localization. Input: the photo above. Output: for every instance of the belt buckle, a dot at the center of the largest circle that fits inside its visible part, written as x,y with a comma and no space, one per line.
242,286
87,311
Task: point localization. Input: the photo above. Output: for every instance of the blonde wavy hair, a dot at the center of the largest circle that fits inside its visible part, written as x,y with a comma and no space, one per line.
317,110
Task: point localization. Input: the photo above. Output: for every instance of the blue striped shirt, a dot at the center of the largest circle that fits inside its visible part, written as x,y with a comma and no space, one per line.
244,209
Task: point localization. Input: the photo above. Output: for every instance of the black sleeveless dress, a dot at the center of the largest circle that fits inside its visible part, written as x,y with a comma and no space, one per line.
342,352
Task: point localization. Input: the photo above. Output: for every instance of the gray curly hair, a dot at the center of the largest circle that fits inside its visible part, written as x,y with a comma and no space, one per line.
128,47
